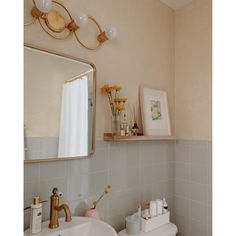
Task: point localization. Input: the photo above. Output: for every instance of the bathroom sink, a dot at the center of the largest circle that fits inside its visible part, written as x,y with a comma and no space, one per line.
79,226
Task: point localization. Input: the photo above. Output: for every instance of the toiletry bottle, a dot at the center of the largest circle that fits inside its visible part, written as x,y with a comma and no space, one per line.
145,214
159,204
122,130
36,216
153,209
139,211
165,206
127,130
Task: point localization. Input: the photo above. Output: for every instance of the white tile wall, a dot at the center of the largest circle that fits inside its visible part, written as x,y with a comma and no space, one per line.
193,187
138,172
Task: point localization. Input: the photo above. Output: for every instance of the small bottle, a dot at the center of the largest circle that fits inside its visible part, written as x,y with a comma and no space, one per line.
139,211
159,203
36,216
145,214
135,129
122,130
124,117
127,130
153,209
165,206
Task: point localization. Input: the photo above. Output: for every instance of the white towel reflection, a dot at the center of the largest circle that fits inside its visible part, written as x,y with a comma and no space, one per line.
73,137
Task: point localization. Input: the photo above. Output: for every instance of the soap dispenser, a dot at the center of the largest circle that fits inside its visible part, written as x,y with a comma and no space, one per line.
36,216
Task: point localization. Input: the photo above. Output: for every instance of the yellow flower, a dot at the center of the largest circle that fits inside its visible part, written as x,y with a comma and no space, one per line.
113,87
110,89
117,88
120,108
104,88
120,100
123,99
106,191
117,100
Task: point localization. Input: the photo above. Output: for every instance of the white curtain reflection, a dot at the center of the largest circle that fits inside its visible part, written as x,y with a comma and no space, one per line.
73,136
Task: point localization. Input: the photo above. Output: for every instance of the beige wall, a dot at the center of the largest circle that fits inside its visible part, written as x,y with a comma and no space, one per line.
156,47
193,71
143,52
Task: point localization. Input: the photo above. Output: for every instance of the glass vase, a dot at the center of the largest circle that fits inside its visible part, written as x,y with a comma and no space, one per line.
115,125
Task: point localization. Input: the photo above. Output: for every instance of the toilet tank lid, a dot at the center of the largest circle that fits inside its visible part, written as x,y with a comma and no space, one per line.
165,230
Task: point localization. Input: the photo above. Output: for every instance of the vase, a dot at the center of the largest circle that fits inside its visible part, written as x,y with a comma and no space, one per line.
115,125
93,213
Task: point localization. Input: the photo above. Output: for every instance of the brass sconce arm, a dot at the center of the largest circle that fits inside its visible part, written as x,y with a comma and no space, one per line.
102,37
36,13
54,24
72,26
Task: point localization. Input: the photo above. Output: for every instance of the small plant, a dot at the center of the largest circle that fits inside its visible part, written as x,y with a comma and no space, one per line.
105,192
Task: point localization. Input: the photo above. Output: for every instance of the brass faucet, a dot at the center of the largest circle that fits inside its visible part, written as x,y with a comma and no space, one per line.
55,208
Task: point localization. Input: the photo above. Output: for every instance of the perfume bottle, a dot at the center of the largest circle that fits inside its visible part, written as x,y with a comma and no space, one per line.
135,129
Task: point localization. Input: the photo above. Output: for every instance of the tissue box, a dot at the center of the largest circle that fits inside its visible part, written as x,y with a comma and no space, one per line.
155,222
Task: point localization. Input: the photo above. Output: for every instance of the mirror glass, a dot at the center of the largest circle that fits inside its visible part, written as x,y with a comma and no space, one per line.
59,106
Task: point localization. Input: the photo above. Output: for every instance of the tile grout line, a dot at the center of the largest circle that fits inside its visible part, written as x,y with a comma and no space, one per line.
207,186
189,202
108,176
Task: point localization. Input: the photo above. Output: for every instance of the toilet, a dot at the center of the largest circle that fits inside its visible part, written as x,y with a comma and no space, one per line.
169,229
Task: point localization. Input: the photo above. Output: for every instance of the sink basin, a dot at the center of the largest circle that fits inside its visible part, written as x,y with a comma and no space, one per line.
79,226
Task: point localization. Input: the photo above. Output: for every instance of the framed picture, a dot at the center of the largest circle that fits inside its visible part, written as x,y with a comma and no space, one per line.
155,112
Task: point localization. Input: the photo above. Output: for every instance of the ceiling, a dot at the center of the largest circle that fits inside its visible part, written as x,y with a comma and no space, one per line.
176,4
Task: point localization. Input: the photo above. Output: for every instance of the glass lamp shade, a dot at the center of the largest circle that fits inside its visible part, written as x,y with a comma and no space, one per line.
111,32
82,19
43,5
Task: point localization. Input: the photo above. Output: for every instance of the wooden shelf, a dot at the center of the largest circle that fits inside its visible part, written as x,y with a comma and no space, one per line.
110,137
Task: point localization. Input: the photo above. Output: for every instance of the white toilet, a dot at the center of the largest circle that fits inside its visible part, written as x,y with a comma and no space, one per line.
165,230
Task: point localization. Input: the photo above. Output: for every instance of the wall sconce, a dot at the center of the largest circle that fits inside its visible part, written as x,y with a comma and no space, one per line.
53,23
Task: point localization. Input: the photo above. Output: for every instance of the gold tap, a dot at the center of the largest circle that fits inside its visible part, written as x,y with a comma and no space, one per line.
55,208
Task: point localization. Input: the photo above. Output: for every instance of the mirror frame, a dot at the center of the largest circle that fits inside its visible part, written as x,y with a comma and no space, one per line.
94,110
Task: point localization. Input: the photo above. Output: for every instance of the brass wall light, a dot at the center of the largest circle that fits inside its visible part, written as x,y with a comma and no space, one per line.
54,24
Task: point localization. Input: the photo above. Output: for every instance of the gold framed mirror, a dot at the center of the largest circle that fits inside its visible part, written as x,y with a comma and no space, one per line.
59,106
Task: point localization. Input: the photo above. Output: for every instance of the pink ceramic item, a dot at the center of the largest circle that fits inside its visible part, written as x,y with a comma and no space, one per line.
93,213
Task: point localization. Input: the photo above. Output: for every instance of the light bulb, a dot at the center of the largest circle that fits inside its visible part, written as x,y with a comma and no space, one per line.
111,32
82,19
43,5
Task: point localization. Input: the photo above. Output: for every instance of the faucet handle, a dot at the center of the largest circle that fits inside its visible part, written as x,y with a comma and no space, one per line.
55,192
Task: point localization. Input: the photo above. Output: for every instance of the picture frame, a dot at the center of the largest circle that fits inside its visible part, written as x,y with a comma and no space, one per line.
154,112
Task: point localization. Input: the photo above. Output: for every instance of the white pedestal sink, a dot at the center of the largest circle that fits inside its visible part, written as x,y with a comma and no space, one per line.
79,226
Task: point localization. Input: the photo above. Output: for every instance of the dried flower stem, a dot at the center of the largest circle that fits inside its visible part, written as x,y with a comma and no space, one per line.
106,191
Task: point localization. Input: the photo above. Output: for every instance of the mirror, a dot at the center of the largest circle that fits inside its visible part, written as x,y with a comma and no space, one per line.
59,106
